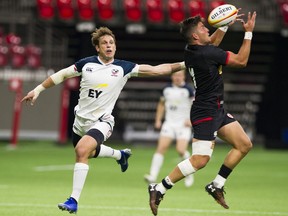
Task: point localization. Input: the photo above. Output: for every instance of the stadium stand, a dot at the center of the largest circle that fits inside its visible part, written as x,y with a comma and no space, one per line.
197,7
47,36
176,10
85,9
155,11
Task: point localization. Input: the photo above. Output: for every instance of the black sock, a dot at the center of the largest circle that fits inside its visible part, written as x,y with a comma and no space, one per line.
165,184
224,171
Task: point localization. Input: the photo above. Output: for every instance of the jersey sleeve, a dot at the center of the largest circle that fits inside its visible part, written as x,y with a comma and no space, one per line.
217,54
130,69
80,64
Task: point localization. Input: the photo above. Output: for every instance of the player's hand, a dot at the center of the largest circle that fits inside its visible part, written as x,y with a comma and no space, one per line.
250,24
30,97
157,125
238,18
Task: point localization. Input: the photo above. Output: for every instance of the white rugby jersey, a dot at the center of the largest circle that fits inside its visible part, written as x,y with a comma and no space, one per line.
178,101
101,85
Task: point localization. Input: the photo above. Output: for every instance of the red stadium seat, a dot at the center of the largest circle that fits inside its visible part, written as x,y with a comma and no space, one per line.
1,36
105,9
197,7
45,9
85,9
18,59
12,39
284,12
215,3
133,10
176,10
65,9
33,61
4,55
33,54
155,11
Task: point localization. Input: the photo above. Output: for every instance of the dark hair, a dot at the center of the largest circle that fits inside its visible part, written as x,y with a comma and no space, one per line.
188,25
99,33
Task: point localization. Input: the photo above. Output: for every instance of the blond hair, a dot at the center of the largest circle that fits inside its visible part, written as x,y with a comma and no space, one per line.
95,36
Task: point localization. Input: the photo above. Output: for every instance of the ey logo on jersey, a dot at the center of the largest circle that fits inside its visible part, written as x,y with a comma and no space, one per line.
94,93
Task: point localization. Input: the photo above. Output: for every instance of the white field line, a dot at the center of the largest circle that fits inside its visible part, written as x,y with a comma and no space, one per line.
53,168
227,212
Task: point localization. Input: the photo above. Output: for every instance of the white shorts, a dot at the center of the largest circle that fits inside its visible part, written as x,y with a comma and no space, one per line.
104,124
176,131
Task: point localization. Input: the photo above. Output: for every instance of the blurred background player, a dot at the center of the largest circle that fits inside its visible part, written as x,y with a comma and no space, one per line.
175,104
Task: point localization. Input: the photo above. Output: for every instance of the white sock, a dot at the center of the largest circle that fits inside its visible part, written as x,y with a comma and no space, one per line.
219,181
160,187
186,155
79,177
106,151
156,165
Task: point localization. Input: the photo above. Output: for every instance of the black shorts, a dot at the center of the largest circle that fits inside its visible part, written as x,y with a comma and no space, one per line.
207,122
96,134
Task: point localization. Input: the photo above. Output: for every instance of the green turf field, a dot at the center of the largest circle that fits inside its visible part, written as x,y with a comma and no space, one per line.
36,176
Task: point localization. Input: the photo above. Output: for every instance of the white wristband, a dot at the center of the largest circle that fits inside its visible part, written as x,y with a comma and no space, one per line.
39,89
182,65
224,28
248,35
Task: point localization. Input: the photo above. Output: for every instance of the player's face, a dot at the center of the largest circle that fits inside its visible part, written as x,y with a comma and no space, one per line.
178,78
203,34
106,48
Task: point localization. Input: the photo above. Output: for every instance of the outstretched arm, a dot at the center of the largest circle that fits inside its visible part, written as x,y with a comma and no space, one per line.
159,70
218,35
52,80
241,58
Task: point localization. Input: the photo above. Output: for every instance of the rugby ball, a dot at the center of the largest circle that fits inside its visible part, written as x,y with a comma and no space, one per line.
222,15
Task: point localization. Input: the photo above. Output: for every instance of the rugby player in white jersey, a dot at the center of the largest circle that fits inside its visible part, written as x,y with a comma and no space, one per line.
174,105
102,79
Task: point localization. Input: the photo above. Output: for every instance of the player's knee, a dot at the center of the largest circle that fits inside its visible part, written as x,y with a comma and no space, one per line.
186,167
81,151
243,145
200,161
246,146
201,153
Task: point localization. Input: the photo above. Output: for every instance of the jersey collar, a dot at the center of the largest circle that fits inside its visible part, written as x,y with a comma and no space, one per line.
103,62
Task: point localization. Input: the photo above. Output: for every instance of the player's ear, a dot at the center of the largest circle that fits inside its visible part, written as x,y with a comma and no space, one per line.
97,48
195,36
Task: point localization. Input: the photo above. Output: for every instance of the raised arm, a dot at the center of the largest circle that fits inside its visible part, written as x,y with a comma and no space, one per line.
241,58
159,70
52,80
218,35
